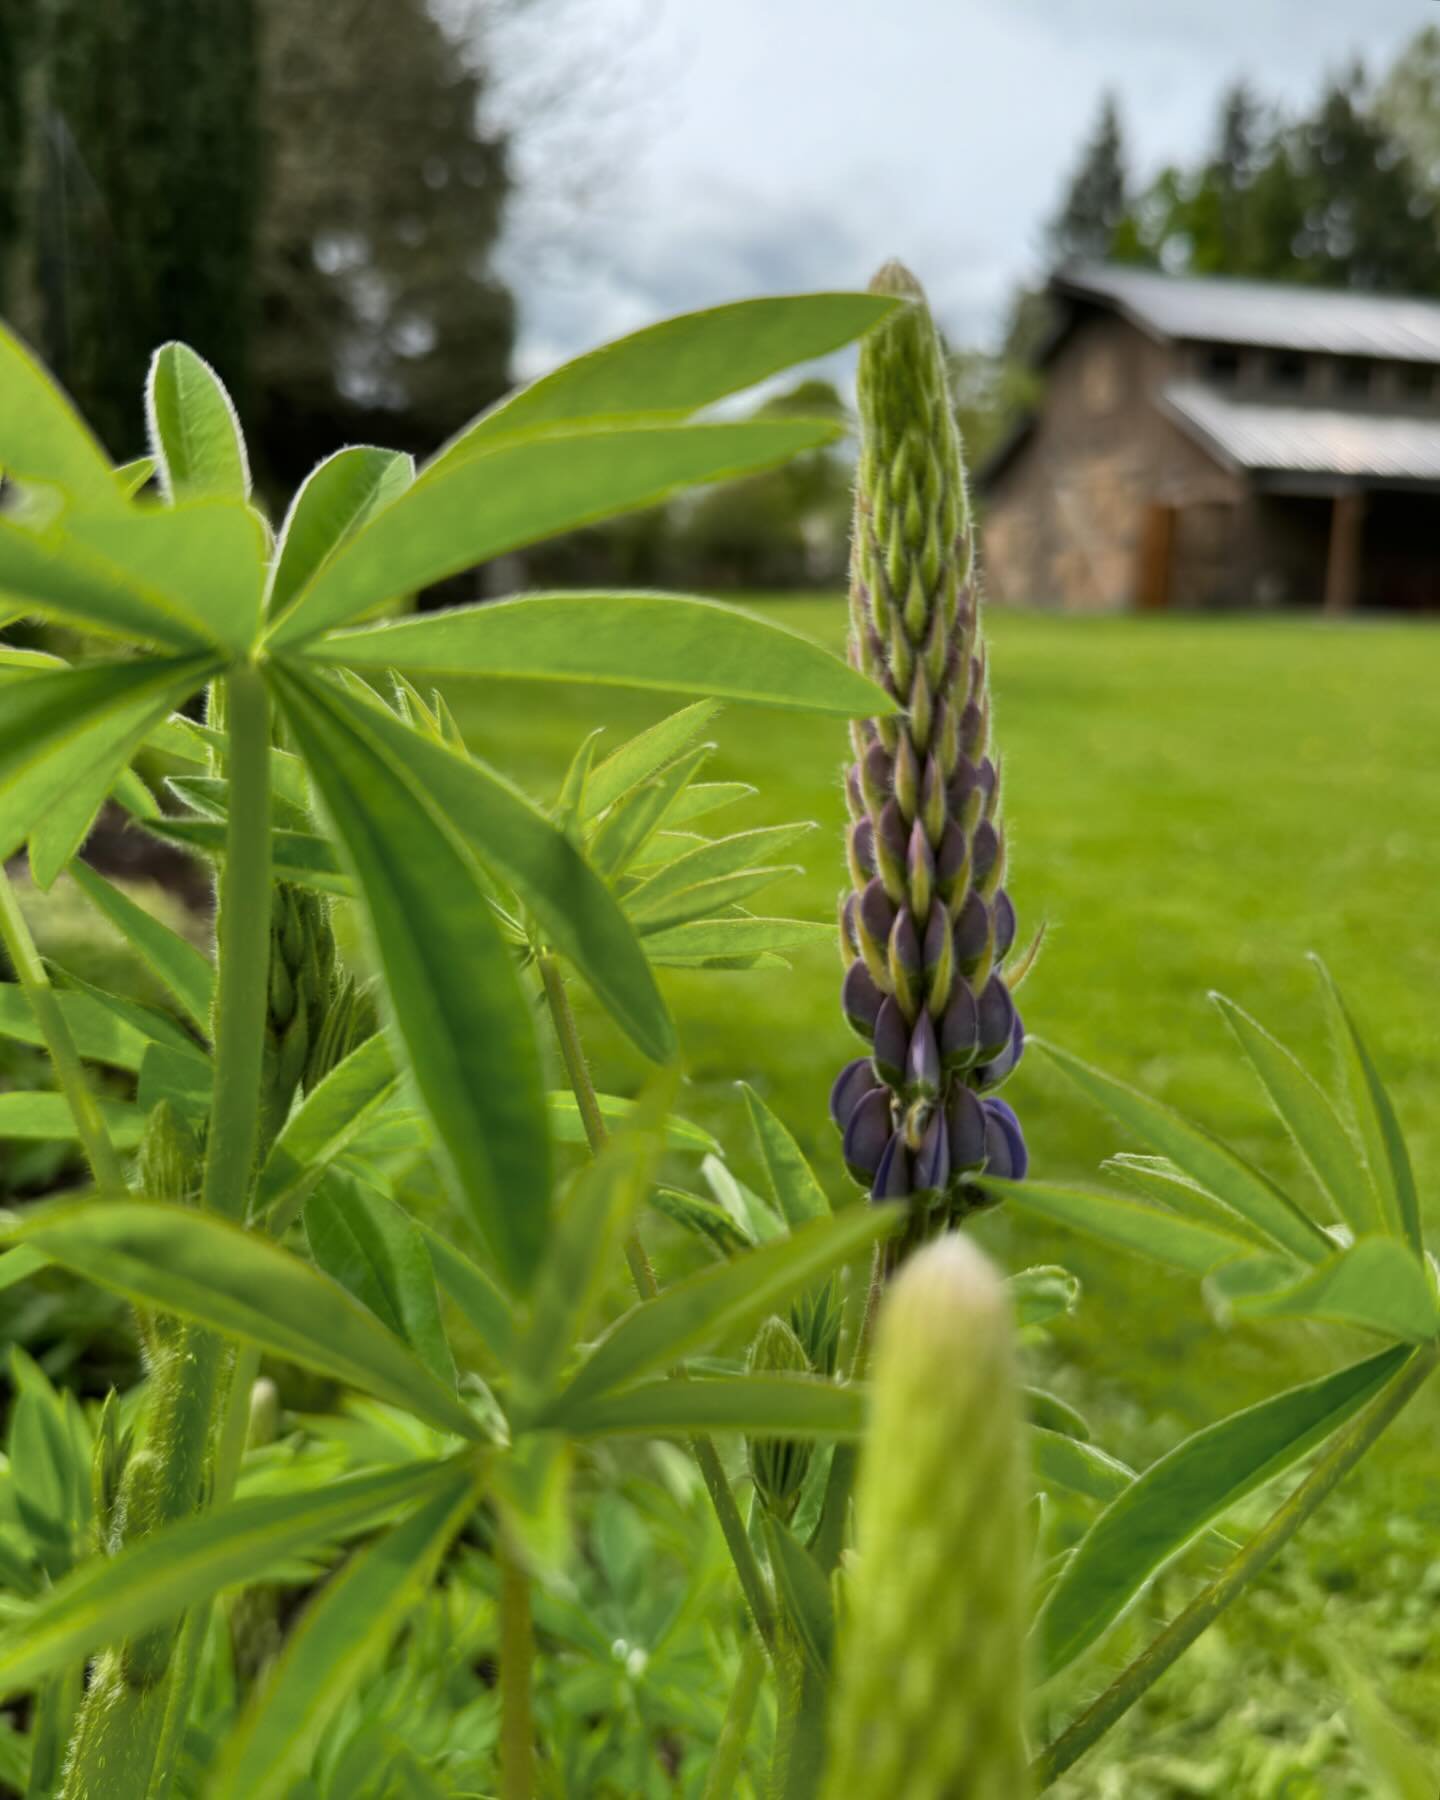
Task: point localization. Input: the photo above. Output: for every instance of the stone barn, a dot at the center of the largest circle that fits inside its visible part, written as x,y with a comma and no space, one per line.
1207,442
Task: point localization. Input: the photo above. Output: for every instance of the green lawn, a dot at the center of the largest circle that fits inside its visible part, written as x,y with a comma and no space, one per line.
1191,804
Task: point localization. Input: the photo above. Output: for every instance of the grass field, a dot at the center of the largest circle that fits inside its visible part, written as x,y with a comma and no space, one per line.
1191,804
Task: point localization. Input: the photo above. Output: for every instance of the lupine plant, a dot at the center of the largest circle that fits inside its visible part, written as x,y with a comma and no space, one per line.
441,1574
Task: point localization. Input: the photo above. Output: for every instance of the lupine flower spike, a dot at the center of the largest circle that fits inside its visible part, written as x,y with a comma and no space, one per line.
927,925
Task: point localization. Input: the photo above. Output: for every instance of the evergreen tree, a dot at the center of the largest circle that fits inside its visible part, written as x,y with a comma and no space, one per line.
1095,203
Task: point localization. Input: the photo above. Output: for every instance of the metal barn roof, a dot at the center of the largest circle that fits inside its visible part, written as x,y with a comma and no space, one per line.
1219,309
1307,440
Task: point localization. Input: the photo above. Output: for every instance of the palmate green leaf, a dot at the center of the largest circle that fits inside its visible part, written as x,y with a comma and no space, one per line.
1395,1759
1127,1224
327,1122
183,1078
341,1636
295,856
740,937
42,436
703,797
1307,1114
623,833
20,1265
477,1294
793,1186
1385,1151
680,364
203,1268
458,1007
514,839
568,1127
57,836
668,642
721,1302
99,1035
363,1240
46,1117
711,899
1043,1293
1160,1179
52,577
109,1599
804,1592
787,1406
155,1026
523,489
334,501
131,476
644,755
1214,1165
1054,1414
185,974
1377,1284
1178,1496
743,851
57,728
204,560
1062,1461
195,435
705,1218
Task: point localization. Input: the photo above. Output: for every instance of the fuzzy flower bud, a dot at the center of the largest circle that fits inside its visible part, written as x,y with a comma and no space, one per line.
928,925
930,1689
778,1465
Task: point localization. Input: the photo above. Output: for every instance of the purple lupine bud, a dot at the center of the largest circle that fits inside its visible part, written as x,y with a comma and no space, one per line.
868,1135
932,799
906,777
874,776
984,853
965,1128
972,729
892,1042
861,999
959,1029
849,914
987,779
890,839
877,912
854,798
939,946
1003,912
1005,1152
922,1065
905,965
862,851
963,782
932,1159
920,869
972,932
992,1073
996,1012
852,1084
892,1178
952,862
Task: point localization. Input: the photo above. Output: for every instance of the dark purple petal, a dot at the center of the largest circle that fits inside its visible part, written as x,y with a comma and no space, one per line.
892,828
963,780
959,1029
987,775
861,999
932,1159
862,845
937,934
984,849
922,1065
892,1178
852,792
1005,1151
952,859
905,944
997,1017
851,1085
972,728
877,775
867,1135
992,1073
965,1129
892,1042
1004,908
877,910
847,923
972,931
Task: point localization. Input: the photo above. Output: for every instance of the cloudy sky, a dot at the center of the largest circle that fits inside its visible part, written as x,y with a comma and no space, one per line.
702,150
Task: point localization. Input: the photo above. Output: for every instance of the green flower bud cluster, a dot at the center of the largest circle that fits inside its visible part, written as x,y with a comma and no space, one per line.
928,923
929,1695
302,983
778,1466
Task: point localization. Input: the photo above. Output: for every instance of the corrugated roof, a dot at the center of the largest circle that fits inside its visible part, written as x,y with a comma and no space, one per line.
1272,314
1308,440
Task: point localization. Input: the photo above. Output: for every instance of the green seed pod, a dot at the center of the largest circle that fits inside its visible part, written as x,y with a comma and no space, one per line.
778,1465
929,1697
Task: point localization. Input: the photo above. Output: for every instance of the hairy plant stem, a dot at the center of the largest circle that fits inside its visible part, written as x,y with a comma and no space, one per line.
1345,1451
752,1579
517,1661
724,1770
130,1727
64,1057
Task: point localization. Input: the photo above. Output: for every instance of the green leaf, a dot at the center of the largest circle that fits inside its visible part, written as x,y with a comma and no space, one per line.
131,476
203,561
1385,1151
804,1592
42,437
155,1026
477,1294
507,834
99,1035
58,835
1393,1755
1043,1293
1158,1177
701,867
335,500
54,578
1127,1224
459,1009
705,1218
630,823
680,364
1062,1461
340,1638
110,1599
721,1302
643,755
1054,1414
1377,1285
1178,1496
183,1078
194,434
46,1117
742,937
364,1241
297,856
568,1127
1214,1165
204,1268
523,489
787,1406
187,975
792,1181
703,797
329,1119
1307,1114
57,728
20,1265
663,641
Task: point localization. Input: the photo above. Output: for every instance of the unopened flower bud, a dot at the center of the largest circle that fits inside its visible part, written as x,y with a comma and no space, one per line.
959,1028
906,966
892,1042
1005,1153
922,1065
861,999
932,1159
851,1085
868,1134
892,1178
1003,914
997,1017
992,1073
972,933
